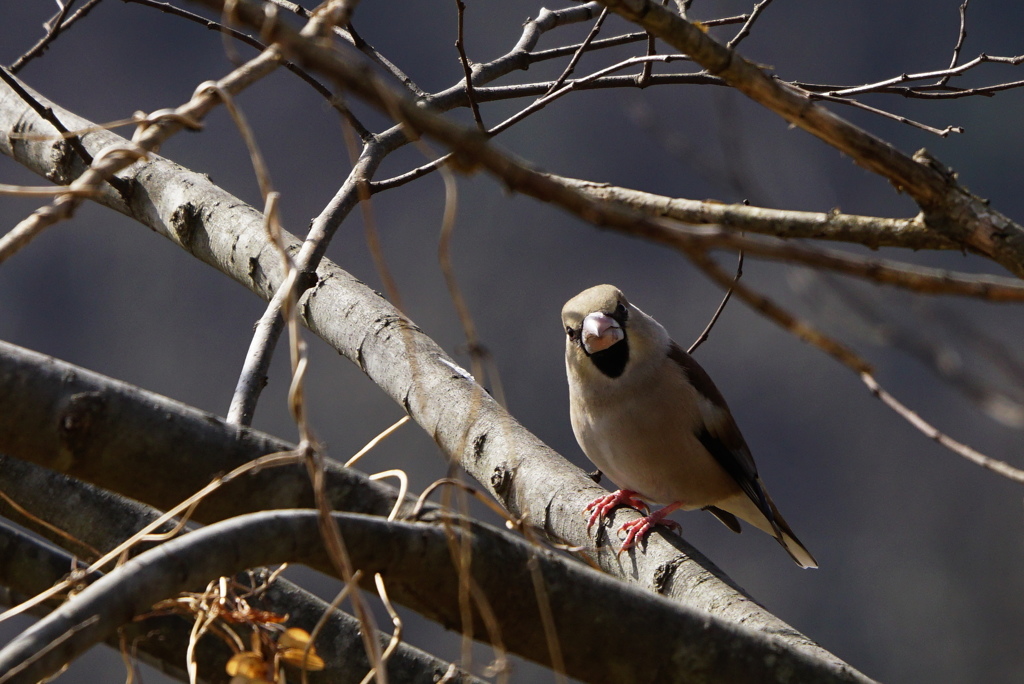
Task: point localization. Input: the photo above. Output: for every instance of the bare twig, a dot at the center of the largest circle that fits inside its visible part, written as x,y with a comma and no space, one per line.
571,66
957,362
553,95
748,24
460,45
349,34
925,92
644,77
57,24
941,132
721,307
267,330
623,39
881,86
959,42
972,455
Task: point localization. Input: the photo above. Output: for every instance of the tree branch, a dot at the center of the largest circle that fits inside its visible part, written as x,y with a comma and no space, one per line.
103,519
667,642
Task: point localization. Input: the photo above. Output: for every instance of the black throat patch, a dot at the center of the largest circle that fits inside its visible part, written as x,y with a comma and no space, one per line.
612,361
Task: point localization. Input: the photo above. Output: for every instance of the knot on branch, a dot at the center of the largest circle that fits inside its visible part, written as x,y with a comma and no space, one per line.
74,425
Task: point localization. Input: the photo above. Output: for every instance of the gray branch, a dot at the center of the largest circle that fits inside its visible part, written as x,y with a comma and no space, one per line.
594,614
28,566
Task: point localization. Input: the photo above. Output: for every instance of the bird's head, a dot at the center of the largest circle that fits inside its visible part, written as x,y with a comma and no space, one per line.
603,329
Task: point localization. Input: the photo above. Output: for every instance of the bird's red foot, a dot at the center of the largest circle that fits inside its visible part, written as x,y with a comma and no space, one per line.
604,505
637,530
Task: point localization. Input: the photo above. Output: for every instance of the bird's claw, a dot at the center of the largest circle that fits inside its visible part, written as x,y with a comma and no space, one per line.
637,530
604,505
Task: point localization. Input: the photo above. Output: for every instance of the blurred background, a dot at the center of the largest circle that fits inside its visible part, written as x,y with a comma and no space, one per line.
921,555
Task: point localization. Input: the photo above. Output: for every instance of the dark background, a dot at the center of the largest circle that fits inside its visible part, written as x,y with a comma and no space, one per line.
920,551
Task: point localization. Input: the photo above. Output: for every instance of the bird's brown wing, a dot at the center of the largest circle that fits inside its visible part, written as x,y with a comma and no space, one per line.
722,437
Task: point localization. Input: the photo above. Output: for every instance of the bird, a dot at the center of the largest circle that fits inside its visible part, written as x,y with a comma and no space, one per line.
650,418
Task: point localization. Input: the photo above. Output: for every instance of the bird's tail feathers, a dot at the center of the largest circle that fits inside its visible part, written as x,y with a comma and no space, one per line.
742,506
784,535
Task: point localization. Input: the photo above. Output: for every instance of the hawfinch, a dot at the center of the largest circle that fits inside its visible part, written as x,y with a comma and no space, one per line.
651,419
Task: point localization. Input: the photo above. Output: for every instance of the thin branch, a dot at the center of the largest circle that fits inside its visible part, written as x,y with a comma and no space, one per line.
547,95
941,132
460,45
925,92
645,71
553,95
253,376
959,42
870,231
623,39
53,28
571,66
721,307
972,455
847,357
748,24
349,34
880,86
956,363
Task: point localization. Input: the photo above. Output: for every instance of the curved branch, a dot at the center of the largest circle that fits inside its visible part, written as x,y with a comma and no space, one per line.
29,567
667,642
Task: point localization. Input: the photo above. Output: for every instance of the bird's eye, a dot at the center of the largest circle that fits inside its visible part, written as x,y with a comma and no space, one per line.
572,334
621,313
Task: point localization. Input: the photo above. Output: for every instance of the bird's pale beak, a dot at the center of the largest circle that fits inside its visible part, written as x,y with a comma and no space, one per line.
599,332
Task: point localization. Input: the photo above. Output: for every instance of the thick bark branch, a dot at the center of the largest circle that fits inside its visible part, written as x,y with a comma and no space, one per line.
594,615
149,447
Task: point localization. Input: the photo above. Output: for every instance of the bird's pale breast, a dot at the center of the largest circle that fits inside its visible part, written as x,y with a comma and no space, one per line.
648,447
